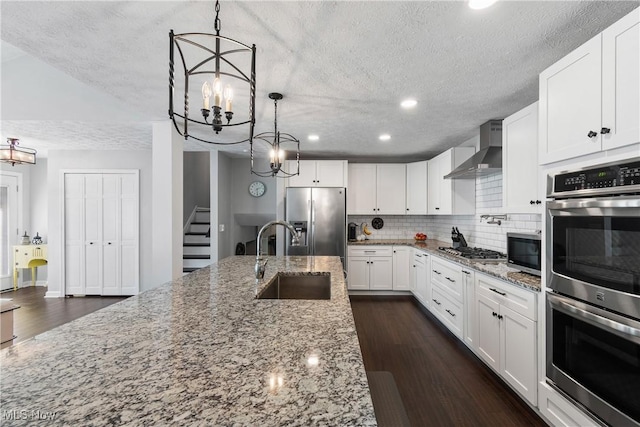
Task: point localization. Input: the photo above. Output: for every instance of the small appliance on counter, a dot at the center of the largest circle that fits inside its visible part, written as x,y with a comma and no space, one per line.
352,232
524,252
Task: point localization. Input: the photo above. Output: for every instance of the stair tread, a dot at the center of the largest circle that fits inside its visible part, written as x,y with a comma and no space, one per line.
196,244
197,256
190,269
196,233
200,223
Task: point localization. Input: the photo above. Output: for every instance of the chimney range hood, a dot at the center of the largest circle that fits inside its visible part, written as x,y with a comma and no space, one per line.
488,159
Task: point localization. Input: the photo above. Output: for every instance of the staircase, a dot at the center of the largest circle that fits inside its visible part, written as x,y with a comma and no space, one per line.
196,247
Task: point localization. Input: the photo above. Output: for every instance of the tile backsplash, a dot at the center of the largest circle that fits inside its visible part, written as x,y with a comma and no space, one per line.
477,233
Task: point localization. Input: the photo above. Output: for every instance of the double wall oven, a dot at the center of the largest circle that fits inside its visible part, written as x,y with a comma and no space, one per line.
593,281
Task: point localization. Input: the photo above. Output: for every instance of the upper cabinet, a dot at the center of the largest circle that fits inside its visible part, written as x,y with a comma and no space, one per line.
376,189
318,173
450,196
589,99
417,188
520,183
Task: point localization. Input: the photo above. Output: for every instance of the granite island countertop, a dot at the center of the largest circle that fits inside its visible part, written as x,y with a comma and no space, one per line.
200,350
493,268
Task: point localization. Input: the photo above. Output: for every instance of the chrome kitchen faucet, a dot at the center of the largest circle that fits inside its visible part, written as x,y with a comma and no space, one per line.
295,241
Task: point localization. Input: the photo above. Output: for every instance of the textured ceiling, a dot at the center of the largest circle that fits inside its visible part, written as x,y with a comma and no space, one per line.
343,67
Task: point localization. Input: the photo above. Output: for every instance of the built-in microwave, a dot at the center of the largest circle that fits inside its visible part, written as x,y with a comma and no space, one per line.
523,252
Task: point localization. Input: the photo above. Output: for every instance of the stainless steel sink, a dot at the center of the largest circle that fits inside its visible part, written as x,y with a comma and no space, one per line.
297,286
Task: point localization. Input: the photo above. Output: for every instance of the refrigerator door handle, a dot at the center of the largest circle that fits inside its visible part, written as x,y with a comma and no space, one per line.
312,244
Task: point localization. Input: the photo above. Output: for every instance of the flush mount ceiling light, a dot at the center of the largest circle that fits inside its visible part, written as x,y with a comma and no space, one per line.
480,4
276,141
313,137
408,103
203,55
13,154
385,137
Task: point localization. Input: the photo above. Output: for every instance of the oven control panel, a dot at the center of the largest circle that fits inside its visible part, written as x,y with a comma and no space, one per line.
608,176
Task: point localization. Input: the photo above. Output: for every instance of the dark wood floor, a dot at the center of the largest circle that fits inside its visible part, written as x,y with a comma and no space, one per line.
441,382
38,314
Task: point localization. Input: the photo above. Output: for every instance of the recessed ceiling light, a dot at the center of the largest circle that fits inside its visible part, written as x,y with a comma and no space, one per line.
408,103
385,137
480,4
313,137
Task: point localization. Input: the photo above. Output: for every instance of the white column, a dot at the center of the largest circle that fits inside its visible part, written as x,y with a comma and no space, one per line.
167,160
213,201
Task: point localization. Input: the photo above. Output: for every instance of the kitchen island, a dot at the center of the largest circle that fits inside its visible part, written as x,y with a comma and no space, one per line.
200,350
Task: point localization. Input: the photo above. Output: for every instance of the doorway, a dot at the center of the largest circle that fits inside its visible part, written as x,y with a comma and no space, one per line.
10,223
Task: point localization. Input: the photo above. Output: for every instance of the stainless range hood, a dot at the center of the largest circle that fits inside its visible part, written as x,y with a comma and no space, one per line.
488,159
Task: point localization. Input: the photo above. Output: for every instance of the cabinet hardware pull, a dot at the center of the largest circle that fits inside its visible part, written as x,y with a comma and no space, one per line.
452,314
419,256
605,131
532,202
436,301
414,266
498,292
437,209
450,279
500,316
494,314
369,252
407,208
466,272
591,134
436,271
91,243
538,202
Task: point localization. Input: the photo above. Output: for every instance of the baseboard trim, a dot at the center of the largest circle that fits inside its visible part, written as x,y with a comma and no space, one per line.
53,294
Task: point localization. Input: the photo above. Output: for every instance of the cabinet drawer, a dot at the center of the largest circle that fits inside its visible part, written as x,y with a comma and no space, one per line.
449,276
519,300
370,251
420,257
450,312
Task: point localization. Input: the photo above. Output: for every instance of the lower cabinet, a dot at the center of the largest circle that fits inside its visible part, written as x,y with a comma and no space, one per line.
402,256
470,320
446,299
420,276
506,338
370,268
559,411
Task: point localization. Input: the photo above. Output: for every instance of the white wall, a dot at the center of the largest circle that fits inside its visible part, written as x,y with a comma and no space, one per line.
196,182
255,211
98,159
224,206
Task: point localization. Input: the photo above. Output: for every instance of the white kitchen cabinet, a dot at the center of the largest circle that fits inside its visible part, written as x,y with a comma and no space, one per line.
450,196
520,178
447,301
370,268
589,99
507,333
559,411
417,188
470,332
361,195
377,189
101,233
422,288
318,173
402,256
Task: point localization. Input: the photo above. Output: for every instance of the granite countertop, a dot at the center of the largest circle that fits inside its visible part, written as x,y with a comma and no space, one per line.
200,350
493,268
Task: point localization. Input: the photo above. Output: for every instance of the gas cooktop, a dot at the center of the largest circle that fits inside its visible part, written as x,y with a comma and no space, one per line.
474,253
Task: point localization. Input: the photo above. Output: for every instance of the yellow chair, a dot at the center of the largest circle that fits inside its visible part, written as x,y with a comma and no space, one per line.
28,256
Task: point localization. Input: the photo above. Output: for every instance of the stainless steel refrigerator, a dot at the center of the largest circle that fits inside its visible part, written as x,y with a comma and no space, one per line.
320,215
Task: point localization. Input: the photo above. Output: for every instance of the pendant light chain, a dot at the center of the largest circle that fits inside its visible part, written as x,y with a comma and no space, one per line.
275,117
217,21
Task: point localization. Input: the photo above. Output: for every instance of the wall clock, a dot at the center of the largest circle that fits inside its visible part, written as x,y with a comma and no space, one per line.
257,188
